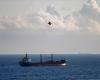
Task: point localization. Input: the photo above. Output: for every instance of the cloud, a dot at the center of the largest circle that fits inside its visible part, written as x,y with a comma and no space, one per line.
88,17
31,32
12,23
95,27
52,10
85,20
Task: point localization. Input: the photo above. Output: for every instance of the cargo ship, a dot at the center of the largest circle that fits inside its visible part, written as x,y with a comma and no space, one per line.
26,61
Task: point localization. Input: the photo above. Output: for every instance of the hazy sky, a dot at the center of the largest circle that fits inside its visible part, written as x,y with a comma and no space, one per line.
75,26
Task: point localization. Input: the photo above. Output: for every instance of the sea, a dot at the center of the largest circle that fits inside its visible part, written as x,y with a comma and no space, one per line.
80,67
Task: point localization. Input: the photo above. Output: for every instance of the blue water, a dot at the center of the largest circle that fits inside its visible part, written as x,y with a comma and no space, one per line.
81,67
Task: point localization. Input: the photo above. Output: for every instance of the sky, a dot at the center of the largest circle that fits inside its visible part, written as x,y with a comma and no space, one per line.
75,26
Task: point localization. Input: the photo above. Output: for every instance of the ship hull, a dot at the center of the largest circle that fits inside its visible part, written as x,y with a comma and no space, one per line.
42,64
27,62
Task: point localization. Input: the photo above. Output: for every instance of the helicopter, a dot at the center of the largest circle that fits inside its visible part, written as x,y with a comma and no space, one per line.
49,23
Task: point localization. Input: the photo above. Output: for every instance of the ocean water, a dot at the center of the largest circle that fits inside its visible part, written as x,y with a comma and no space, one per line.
80,67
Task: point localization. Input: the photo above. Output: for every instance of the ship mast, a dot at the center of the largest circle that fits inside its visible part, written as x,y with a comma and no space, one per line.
40,58
26,55
52,57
